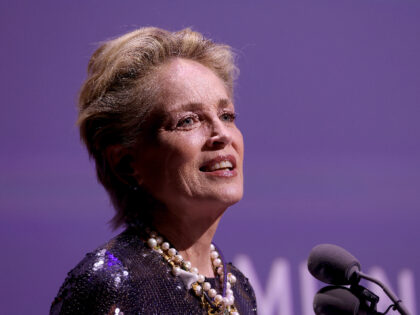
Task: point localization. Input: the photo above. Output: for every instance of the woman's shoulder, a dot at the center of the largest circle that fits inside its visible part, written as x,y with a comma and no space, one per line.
240,277
98,280
243,291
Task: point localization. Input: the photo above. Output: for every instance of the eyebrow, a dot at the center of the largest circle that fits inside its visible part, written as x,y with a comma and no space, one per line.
223,103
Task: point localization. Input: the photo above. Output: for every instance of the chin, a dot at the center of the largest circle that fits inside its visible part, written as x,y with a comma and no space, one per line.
230,196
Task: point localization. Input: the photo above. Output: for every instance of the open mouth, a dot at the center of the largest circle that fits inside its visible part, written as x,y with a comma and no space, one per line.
221,163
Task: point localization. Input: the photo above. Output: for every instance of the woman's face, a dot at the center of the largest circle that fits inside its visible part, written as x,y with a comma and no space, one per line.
196,159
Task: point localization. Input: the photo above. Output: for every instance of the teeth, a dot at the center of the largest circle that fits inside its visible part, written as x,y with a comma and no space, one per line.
221,165
215,167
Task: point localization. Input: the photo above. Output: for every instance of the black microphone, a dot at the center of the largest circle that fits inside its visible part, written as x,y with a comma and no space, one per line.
336,300
334,265
333,300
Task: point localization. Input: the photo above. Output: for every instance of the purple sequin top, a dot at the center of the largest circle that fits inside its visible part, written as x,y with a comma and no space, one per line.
126,277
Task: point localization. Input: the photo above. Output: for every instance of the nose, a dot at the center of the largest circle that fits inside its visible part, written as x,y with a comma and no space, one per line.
220,135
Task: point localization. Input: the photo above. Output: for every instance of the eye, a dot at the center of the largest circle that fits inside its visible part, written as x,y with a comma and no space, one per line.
228,117
187,121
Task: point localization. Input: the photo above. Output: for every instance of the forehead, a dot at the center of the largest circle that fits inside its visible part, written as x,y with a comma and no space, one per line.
183,81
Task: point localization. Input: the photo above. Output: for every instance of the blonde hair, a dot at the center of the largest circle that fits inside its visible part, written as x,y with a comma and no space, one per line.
120,91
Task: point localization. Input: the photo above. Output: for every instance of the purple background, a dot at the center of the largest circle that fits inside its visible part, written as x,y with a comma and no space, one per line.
328,99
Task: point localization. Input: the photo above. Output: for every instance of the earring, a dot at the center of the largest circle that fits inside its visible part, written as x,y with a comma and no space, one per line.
134,188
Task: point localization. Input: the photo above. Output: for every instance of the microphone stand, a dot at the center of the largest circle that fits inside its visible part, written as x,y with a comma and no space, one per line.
398,304
368,300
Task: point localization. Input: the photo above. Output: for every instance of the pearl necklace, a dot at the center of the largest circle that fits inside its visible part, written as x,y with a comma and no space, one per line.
223,303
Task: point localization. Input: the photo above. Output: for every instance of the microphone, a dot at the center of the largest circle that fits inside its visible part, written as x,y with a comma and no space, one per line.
340,300
334,265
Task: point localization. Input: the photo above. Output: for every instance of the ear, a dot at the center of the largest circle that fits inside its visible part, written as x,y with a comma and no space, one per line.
120,160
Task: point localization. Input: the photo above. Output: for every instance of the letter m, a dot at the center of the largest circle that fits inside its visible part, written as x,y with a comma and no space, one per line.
277,295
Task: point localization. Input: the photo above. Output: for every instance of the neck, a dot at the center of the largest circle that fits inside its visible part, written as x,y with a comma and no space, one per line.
190,235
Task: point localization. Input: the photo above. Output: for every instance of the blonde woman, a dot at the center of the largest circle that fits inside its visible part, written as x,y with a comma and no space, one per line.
157,116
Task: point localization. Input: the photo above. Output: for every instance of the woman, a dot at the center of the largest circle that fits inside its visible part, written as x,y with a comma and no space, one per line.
157,116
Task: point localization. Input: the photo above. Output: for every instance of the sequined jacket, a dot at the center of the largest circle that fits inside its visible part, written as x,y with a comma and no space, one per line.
126,277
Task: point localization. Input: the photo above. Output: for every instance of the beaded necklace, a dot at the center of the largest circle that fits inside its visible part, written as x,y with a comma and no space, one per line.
214,302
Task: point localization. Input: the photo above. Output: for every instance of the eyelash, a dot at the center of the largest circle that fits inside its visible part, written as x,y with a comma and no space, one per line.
181,122
230,118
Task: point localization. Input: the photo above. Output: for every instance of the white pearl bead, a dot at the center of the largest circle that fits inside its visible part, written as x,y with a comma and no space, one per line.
160,251
218,298
212,293
225,301
200,278
228,285
220,270
187,265
217,262
229,292
234,313
171,252
194,270
212,247
214,254
165,246
178,258
152,242
206,286
231,300
232,279
198,290
176,271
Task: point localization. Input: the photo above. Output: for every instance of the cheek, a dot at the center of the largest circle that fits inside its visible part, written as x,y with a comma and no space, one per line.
239,143
179,151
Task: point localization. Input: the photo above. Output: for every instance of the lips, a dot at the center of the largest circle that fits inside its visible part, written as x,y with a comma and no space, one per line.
220,163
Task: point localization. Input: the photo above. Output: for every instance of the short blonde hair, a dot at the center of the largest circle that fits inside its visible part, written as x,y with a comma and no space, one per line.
119,93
